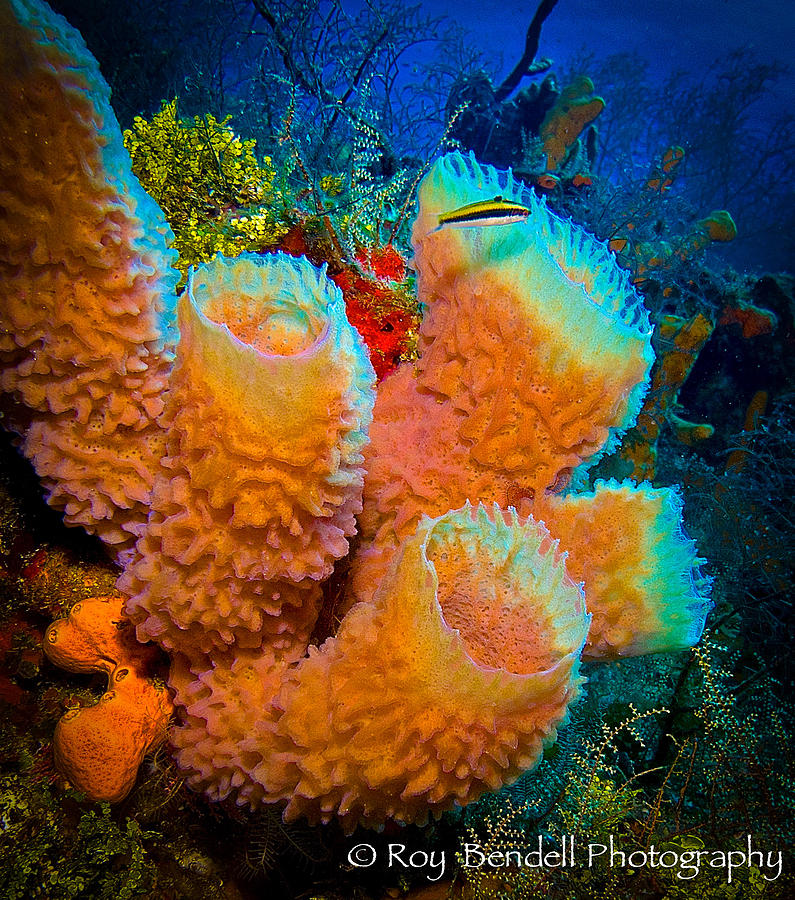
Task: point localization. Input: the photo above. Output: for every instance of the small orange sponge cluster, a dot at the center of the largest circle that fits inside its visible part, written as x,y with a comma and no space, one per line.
99,748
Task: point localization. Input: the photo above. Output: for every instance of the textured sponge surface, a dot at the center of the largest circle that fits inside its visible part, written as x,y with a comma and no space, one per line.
641,573
86,322
267,414
422,699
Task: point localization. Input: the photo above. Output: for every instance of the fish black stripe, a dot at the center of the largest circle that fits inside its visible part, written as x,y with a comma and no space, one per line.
483,214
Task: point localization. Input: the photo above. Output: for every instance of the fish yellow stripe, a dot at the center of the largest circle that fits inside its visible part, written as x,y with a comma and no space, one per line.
486,212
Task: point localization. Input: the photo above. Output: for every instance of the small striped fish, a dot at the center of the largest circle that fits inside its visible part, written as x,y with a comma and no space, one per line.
485,212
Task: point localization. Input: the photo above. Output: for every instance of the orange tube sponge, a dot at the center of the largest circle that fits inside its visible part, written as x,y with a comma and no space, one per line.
664,173
564,123
99,748
87,314
680,340
450,684
213,745
533,334
535,354
268,410
641,574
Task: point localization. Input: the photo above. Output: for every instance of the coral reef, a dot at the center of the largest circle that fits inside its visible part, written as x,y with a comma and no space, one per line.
544,133
99,748
481,409
214,192
491,128
533,359
647,258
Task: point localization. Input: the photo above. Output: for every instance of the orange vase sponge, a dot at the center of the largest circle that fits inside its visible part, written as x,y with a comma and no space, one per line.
641,574
87,315
450,684
267,413
221,704
239,466
534,357
99,748
533,334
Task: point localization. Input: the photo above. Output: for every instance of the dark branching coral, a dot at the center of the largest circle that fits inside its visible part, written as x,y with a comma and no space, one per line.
490,124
